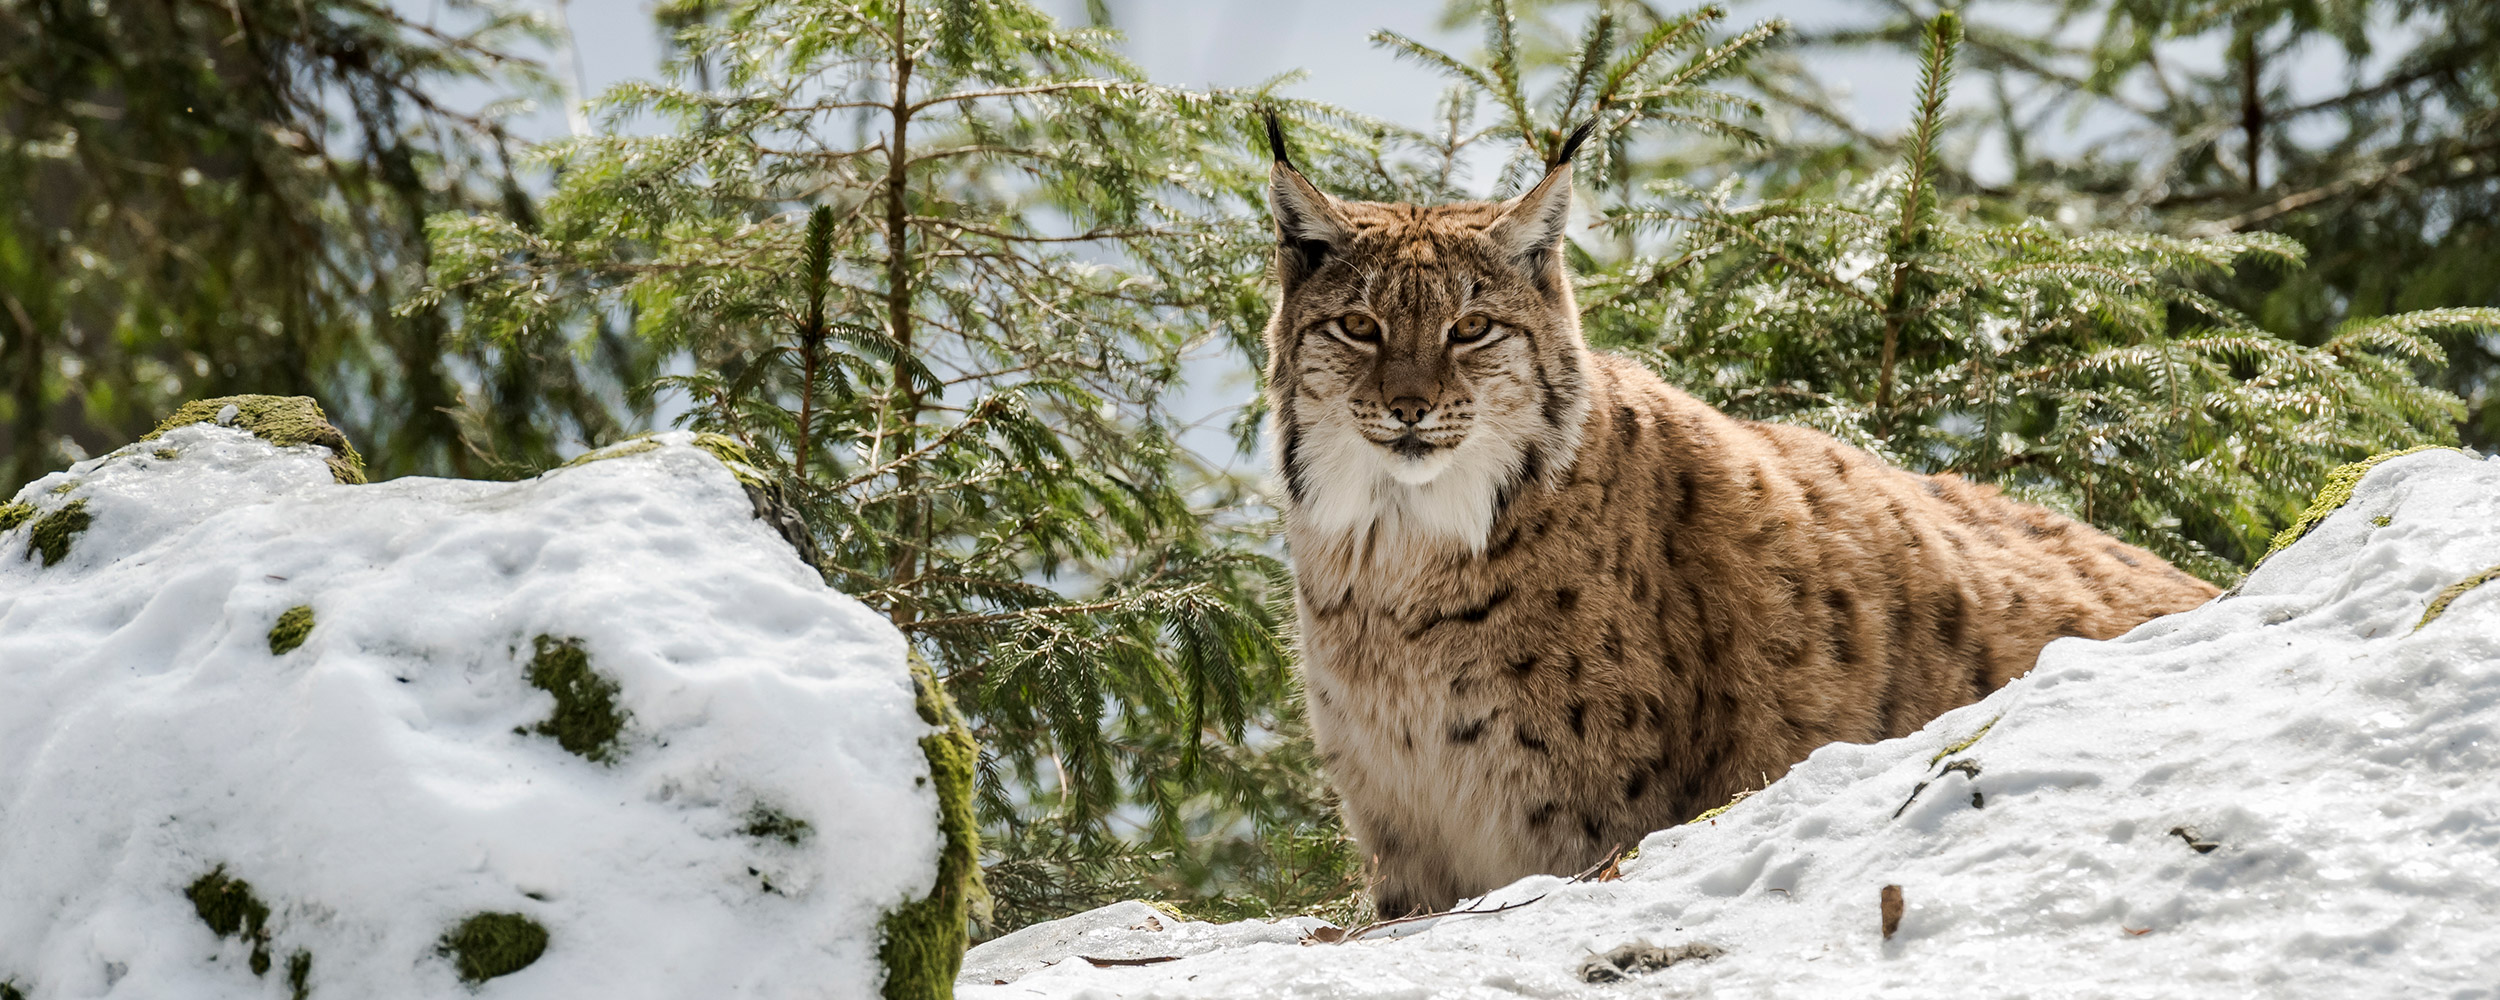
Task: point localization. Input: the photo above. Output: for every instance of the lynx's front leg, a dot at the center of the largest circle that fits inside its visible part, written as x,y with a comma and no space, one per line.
1408,877
1370,764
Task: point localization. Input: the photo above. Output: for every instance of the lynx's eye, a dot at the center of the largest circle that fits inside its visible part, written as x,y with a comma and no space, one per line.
1470,328
1360,327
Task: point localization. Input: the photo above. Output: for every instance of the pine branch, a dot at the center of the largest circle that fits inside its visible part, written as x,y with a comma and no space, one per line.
1595,39
1502,60
1036,90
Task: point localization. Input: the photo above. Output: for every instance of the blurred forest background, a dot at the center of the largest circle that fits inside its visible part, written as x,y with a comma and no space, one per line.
964,278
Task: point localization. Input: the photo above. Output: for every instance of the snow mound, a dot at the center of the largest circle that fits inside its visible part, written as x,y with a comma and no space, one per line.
2286,793
248,713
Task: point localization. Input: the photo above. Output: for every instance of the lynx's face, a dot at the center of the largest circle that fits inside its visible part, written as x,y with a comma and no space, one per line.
1425,362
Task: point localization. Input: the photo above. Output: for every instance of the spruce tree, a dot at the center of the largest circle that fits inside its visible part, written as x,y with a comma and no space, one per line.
936,266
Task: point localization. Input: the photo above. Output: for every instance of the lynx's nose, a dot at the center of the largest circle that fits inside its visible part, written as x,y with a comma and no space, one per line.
1409,410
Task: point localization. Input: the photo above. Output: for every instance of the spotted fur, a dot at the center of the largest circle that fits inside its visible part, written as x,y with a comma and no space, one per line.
1549,603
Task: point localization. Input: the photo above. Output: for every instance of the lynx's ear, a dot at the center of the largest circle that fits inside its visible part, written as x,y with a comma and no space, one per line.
1308,225
1530,230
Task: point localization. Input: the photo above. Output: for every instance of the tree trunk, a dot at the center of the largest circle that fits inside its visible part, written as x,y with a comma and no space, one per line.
903,399
2252,110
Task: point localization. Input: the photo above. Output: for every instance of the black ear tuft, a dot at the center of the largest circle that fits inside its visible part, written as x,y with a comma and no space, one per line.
1276,137
1308,224
1570,146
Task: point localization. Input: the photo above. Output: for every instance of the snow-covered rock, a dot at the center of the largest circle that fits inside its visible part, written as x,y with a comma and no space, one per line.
602,725
2289,792
1108,933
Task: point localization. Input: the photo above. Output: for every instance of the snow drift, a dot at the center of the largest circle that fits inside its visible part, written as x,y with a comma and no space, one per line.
599,734
2287,792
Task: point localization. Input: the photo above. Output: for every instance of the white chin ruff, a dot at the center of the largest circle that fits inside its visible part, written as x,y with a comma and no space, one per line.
1390,504
1421,470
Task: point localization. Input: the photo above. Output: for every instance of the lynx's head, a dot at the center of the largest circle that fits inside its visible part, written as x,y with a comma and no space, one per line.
1425,362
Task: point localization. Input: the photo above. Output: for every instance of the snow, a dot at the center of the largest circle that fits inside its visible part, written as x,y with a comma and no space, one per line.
2340,761
379,784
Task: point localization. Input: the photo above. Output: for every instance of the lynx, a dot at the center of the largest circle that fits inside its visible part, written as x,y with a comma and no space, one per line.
1549,603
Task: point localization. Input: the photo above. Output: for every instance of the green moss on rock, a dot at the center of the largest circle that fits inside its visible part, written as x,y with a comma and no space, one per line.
733,455
53,531
587,721
291,629
299,974
924,940
230,910
2439,604
280,420
2334,494
723,447
635,446
767,823
9,991
14,514
493,944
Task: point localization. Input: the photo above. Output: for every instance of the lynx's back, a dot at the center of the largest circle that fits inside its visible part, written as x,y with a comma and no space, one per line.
1549,603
